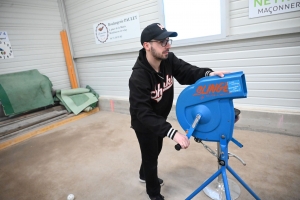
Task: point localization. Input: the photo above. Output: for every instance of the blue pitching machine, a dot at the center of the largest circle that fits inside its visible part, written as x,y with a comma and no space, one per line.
205,111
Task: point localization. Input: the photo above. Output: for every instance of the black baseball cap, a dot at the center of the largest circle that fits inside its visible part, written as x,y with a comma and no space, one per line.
155,31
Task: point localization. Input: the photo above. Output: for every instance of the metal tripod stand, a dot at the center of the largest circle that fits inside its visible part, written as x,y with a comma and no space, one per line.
223,163
215,190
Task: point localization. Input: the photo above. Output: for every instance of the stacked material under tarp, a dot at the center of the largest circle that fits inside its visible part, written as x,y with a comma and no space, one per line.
24,91
79,99
12,126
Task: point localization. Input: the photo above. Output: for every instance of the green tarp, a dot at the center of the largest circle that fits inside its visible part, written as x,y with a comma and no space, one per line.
79,99
24,91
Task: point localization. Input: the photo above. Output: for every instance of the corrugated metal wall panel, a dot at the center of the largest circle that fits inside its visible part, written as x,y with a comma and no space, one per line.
108,75
240,23
83,16
33,28
271,63
265,26
272,72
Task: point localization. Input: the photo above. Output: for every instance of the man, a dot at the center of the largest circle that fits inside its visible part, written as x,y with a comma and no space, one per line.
151,99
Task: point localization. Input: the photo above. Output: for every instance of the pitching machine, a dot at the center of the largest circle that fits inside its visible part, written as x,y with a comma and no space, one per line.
205,110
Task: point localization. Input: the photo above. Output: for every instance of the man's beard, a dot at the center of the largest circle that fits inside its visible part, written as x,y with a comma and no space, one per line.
157,55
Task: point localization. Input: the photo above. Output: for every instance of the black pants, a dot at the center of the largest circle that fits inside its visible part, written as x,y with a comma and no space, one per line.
150,145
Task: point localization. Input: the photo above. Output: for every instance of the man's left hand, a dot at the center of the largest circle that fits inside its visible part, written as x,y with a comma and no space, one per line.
219,73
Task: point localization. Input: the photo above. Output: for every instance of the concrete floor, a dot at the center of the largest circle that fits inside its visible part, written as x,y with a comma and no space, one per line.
97,158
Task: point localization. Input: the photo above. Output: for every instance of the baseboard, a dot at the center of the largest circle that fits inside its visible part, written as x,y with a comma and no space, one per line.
286,123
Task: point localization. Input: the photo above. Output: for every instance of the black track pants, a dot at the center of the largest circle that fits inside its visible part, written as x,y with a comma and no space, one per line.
150,145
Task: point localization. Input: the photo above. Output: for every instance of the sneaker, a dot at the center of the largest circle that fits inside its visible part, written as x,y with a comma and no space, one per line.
159,197
161,182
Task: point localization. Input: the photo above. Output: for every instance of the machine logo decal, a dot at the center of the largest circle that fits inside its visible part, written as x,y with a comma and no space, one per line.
212,88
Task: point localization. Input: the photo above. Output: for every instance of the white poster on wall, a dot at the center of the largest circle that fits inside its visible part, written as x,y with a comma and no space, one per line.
5,46
259,8
116,29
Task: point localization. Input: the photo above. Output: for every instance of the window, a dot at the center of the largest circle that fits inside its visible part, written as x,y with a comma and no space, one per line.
195,20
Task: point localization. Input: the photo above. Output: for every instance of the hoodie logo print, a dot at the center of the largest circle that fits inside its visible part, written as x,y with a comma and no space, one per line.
158,92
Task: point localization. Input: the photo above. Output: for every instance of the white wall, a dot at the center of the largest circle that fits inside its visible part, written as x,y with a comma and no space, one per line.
33,28
240,23
83,14
266,49
270,64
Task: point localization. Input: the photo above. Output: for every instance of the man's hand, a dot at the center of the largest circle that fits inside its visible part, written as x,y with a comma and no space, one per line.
219,73
182,140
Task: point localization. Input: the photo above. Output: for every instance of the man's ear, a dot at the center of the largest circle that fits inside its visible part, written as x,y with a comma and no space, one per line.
146,46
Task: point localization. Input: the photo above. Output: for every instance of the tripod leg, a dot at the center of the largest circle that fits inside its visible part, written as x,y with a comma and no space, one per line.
242,182
224,176
208,181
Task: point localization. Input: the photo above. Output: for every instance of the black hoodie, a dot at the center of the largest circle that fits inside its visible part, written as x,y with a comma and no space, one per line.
151,92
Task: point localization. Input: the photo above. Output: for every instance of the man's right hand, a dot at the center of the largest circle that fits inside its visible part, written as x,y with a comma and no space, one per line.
181,139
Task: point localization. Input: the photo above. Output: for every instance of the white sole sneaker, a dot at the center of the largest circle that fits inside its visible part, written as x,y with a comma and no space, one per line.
143,181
